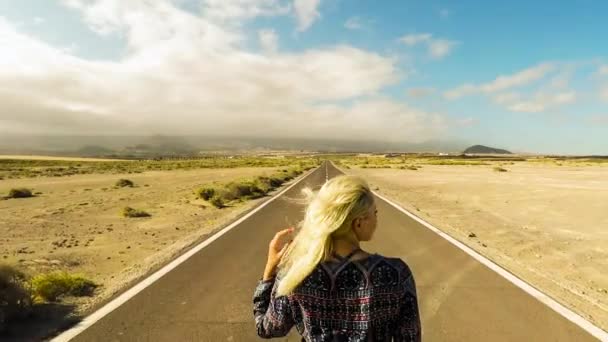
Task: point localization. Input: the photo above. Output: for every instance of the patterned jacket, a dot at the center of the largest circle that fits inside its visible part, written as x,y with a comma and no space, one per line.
372,299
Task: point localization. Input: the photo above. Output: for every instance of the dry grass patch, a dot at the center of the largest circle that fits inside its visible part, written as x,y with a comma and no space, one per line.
130,212
51,286
124,183
20,193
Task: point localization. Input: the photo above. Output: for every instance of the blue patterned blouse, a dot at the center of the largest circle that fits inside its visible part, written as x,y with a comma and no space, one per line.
371,299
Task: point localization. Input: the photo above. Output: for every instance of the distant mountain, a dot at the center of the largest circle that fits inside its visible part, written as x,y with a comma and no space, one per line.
94,151
485,150
154,145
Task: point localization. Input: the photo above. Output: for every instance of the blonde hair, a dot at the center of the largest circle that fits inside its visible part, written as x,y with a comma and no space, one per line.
329,214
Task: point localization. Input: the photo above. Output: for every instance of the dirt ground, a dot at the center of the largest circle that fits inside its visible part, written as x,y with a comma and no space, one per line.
546,224
75,223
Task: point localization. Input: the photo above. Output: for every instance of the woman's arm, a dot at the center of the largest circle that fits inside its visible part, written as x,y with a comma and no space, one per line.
409,328
273,315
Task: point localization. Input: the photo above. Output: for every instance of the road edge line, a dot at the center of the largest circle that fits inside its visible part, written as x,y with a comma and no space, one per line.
545,299
140,286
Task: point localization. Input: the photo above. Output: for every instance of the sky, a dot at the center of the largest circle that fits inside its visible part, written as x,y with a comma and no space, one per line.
528,76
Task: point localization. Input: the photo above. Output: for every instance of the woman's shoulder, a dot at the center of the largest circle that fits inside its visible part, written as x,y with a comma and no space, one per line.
395,262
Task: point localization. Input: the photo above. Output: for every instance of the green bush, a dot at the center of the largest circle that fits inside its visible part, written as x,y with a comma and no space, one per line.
20,193
205,193
15,298
51,286
217,202
130,212
263,183
275,182
124,182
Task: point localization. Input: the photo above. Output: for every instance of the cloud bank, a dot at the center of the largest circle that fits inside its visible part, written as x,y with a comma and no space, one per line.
187,73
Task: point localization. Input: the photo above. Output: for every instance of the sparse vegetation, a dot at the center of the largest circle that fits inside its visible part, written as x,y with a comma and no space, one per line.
20,193
241,190
22,168
124,182
217,202
51,286
499,169
205,193
130,212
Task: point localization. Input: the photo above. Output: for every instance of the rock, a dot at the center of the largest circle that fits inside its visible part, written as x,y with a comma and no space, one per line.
472,235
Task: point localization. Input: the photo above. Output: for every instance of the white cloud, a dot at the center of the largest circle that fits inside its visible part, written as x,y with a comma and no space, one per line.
604,93
552,93
440,48
437,48
466,122
269,40
536,103
506,98
413,39
38,20
502,82
602,70
420,92
306,12
599,119
353,23
187,74
444,13
243,9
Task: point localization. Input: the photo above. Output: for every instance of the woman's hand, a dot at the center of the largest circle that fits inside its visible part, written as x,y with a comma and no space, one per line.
276,249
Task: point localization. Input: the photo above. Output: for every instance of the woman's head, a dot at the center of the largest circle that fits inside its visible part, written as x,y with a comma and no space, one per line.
349,203
344,208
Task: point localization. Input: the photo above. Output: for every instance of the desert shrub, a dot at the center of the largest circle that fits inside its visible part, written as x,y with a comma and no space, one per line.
15,298
20,193
276,181
123,183
205,193
51,286
499,169
263,183
130,212
238,190
217,202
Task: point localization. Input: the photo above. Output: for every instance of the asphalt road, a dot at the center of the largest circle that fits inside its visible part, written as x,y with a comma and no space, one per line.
209,296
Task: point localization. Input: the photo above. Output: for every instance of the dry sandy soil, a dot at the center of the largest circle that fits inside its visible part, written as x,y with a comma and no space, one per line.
546,224
75,224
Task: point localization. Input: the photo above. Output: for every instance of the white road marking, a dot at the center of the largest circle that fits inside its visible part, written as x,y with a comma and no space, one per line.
118,301
550,302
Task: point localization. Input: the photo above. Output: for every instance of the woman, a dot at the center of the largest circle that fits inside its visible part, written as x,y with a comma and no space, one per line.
326,285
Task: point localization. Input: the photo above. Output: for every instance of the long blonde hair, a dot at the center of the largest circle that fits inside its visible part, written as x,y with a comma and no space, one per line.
329,214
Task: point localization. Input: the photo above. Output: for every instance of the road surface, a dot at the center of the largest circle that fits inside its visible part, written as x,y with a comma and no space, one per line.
209,296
